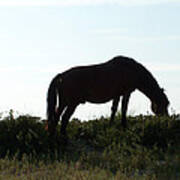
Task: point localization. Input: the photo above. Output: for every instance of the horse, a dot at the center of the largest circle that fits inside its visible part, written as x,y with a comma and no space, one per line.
100,83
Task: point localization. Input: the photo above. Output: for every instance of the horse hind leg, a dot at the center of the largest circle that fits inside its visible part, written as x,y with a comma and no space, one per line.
65,118
51,125
114,109
59,111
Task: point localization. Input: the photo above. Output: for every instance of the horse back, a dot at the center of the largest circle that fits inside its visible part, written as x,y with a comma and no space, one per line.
99,83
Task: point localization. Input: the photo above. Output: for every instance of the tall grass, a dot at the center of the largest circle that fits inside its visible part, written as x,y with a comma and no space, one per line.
148,149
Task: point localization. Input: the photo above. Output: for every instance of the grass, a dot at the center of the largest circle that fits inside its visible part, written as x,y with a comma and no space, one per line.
148,149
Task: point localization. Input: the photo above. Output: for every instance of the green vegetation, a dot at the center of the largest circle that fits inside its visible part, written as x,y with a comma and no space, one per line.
148,149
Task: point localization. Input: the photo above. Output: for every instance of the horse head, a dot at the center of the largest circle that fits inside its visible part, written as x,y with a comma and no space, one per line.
160,105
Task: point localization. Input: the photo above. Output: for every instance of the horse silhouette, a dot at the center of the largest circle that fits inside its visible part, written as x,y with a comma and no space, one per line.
101,83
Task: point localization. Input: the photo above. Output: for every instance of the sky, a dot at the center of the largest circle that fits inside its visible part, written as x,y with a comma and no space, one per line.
40,38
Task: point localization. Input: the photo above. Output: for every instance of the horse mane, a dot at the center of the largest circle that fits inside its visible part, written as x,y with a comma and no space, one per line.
147,76
147,81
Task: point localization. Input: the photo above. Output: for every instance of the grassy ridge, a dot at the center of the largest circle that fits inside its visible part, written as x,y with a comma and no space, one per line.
148,149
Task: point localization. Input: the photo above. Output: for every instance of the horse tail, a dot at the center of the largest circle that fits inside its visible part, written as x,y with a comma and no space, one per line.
53,92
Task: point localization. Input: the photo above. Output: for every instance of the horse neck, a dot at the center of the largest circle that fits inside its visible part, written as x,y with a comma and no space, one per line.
150,92
149,86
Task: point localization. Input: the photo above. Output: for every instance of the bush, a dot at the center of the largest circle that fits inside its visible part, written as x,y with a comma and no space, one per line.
140,148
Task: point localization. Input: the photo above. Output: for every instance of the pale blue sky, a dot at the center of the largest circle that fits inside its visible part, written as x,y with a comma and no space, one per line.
39,39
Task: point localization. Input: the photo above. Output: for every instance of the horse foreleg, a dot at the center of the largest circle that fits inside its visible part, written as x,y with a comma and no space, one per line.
125,102
114,108
65,118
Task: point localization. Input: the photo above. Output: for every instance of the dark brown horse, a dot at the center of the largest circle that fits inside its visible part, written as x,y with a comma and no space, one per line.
98,84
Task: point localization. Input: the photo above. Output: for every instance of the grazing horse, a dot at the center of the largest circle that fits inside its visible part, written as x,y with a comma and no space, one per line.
101,83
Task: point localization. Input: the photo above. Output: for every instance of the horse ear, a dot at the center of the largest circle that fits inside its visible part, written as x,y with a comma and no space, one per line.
154,107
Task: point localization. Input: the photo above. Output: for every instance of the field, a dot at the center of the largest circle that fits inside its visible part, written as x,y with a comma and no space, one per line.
148,149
